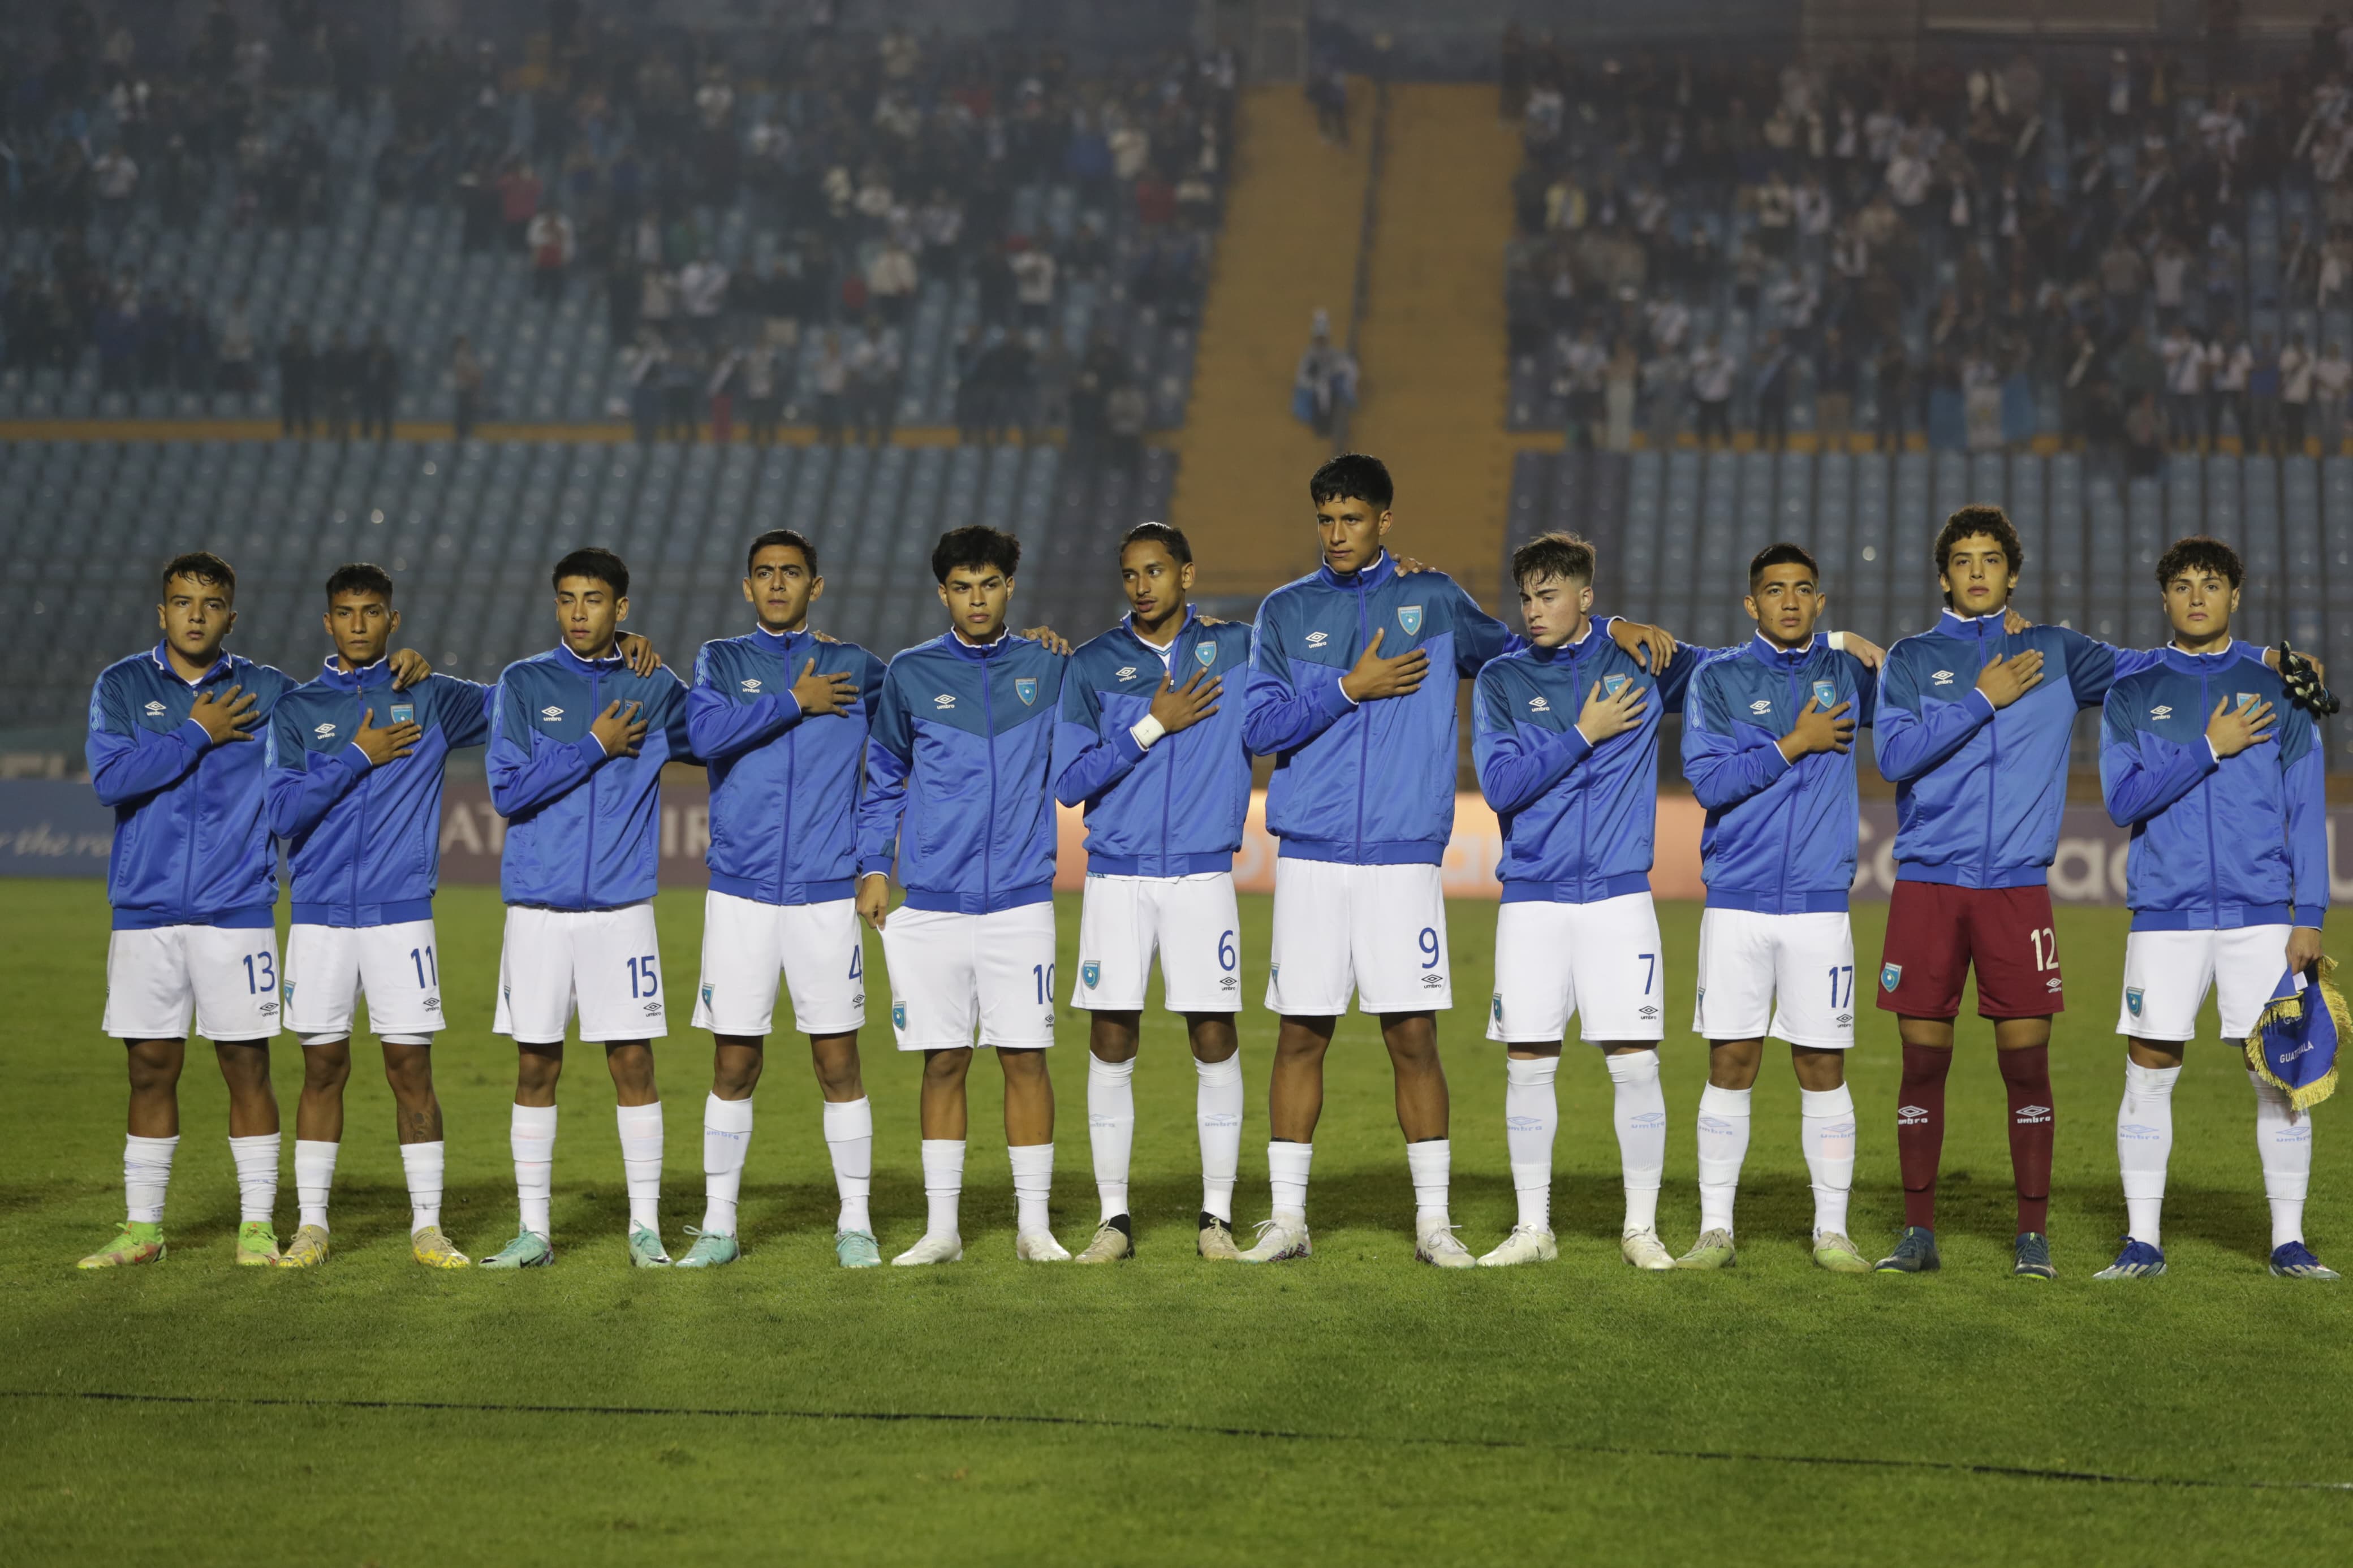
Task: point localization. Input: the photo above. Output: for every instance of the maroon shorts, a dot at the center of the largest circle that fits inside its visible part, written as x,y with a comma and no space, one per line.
1935,933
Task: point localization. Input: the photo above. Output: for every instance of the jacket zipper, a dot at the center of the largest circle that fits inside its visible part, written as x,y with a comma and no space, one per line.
1585,795
792,774
989,824
359,845
1993,766
1789,827
1363,720
1169,773
2213,878
588,860
196,816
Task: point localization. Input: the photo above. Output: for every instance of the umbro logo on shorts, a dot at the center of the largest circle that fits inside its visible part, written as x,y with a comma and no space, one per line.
1228,982
268,1007
943,700
432,1003
1943,678
1125,672
1433,982
2028,1114
1317,639
1911,1115
154,710
550,713
1648,1011
2051,984
2162,711
753,684
1843,1019
653,1006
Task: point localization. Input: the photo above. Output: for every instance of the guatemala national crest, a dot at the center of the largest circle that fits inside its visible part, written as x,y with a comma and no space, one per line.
1825,695
899,1015
1409,618
1026,687
1495,1006
1206,652
2132,1000
1614,684
1090,972
1891,976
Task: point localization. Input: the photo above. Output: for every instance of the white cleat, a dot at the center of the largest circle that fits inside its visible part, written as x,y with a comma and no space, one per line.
931,1248
1643,1250
1282,1237
1040,1246
1527,1243
1439,1245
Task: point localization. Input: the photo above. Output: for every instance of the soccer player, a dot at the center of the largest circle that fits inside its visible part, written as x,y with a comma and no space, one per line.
1767,745
577,744
780,720
959,796
1150,749
2219,776
193,879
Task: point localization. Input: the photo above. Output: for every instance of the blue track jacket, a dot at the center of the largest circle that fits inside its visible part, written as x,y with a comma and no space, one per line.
1178,808
584,830
364,843
1977,794
191,839
2216,845
1577,820
783,789
1370,784
1780,836
958,774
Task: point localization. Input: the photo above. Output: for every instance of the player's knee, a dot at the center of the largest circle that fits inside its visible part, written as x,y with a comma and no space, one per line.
946,1067
154,1064
835,1061
326,1068
1023,1066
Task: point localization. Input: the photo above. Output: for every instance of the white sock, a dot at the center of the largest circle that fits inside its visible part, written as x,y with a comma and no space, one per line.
532,1136
1218,1113
1531,1120
641,1161
2144,1145
1723,1145
1826,1128
146,1174
1430,1162
2284,1140
1286,1172
943,1183
422,1161
1110,1127
257,1176
1641,1118
314,1177
849,1138
1033,1185
726,1139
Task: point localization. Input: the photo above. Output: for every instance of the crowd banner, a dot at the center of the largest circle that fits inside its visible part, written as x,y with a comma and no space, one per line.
51,827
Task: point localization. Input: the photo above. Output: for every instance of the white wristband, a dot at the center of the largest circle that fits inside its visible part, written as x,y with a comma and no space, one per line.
1838,642
1147,729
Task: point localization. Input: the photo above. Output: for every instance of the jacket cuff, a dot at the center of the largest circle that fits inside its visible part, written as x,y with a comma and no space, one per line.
1131,743
195,736
1333,700
1573,743
788,706
2311,915
874,865
354,761
590,751
1986,702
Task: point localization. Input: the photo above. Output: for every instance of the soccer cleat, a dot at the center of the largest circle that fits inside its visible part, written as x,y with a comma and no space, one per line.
432,1248
1040,1246
1837,1254
1279,1240
856,1249
1713,1250
135,1241
1114,1239
1915,1253
257,1244
1644,1250
948,1248
1217,1242
710,1249
2035,1256
1438,1245
1527,1243
307,1250
528,1250
2138,1260
645,1248
2294,1260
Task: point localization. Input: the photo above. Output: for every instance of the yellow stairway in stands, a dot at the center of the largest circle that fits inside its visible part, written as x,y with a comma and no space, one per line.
1435,364
1294,215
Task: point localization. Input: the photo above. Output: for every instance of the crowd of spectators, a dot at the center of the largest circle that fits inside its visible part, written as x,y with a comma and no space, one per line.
1964,252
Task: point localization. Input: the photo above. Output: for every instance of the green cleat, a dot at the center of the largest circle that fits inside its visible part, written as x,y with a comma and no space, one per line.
135,1241
858,1250
2035,1256
1837,1254
711,1249
257,1244
1711,1250
527,1250
646,1248
1915,1253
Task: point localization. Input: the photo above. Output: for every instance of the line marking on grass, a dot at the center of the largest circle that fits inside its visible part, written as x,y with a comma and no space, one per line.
1179,1429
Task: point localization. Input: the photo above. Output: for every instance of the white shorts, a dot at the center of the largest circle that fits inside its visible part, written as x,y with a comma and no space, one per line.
951,970
605,961
2167,974
1599,962
1795,970
329,967
817,947
1192,921
154,976
1378,931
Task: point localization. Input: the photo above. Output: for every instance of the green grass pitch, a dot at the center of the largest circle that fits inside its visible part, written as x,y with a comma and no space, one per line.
1351,1408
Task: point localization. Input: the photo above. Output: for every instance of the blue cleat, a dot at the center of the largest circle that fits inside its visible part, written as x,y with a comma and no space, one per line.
2294,1260
709,1250
858,1250
2138,1260
2035,1256
1915,1253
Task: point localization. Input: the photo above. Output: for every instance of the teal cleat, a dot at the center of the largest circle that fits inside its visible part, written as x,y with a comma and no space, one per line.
858,1250
528,1250
646,1248
709,1250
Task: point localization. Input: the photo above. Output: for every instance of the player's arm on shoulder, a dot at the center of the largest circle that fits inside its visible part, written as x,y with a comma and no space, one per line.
462,710
1653,647
1478,636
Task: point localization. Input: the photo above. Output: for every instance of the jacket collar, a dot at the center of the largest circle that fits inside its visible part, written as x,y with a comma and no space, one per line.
161,654
360,679
567,659
1973,627
1771,655
1383,568
984,652
2190,663
1192,619
782,643
1595,627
